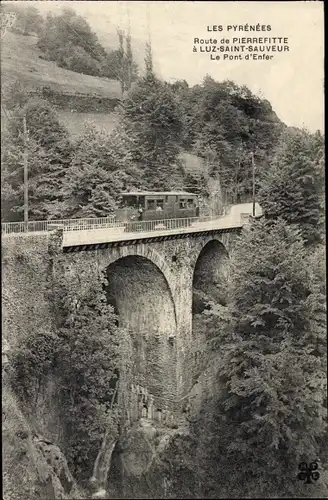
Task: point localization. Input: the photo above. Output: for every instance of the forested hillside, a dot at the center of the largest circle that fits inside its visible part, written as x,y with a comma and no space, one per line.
162,129
68,40
218,125
158,123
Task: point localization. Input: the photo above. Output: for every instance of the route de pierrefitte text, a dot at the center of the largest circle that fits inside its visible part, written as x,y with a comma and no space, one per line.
244,40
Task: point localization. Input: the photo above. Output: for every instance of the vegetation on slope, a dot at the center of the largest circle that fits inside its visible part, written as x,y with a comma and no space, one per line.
293,186
49,155
220,123
269,410
270,415
68,40
21,60
269,345
146,148
85,367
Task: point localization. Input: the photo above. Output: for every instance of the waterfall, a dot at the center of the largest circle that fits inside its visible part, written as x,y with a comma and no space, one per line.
103,461
102,464
98,481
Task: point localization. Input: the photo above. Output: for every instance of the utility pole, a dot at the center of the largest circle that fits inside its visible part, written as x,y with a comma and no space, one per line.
253,170
25,158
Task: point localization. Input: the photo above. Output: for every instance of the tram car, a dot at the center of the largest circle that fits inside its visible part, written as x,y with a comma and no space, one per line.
167,209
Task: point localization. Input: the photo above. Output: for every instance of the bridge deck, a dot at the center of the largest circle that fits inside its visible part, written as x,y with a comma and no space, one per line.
77,232
108,235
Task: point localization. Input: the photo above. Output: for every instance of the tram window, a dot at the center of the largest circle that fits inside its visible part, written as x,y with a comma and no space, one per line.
182,203
141,201
166,199
130,201
151,204
160,204
190,203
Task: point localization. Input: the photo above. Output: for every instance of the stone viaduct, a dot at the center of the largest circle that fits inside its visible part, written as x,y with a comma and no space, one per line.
150,285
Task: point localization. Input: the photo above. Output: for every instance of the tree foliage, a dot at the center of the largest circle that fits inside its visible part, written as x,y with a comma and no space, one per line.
151,118
149,61
292,187
100,169
270,414
223,123
28,18
48,149
68,39
85,367
121,64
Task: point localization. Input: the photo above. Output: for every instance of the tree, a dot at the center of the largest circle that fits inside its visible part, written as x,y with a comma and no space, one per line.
293,185
149,61
28,20
151,118
77,59
14,95
32,20
68,39
180,86
230,122
131,67
99,171
49,153
120,63
270,414
121,70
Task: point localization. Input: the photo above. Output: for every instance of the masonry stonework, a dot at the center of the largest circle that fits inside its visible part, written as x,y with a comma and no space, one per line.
151,287
150,284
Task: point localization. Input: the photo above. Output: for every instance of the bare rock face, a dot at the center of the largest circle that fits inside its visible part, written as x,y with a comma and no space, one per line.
138,460
33,468
56,475
137,449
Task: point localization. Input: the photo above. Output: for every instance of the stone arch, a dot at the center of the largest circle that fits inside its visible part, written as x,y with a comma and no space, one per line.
140,250
140,292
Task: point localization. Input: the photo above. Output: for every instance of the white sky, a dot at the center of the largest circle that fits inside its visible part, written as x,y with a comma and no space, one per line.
292,81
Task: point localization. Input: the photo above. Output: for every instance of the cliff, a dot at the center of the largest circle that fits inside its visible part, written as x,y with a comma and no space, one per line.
33,464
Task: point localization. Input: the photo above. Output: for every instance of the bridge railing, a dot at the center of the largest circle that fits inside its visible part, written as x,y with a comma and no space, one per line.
139,226
104,223
50,225
163,224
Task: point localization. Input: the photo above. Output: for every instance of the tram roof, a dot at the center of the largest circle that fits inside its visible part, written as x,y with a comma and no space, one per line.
158,193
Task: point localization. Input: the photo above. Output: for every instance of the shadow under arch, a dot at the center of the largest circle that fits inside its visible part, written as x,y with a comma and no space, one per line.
143,301
209,284
210,274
